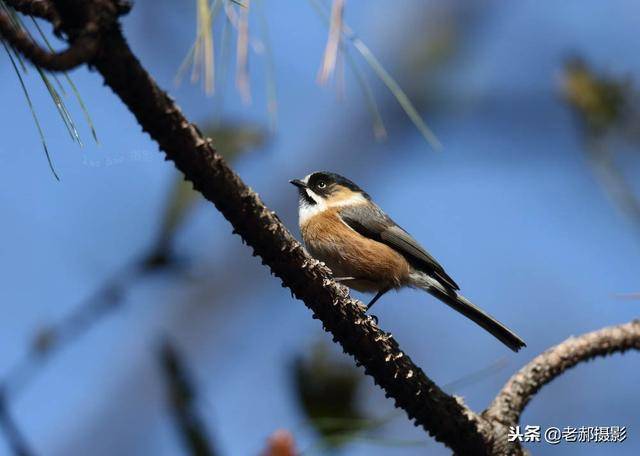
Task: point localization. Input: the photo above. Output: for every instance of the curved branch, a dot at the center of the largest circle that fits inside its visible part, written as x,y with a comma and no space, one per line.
15,438
81,51
520,389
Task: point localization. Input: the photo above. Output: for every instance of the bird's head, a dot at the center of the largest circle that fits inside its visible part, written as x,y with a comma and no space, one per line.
328,189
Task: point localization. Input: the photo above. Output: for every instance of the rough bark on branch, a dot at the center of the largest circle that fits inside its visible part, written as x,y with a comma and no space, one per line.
15,439
83,23
508,405
37,8
77,54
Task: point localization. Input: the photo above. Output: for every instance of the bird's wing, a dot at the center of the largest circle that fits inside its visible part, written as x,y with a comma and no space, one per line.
370,221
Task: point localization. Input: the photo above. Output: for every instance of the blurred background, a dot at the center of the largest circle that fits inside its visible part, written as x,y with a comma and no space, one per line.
134,322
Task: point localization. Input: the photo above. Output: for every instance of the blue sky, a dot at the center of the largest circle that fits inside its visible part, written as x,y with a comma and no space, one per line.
509,207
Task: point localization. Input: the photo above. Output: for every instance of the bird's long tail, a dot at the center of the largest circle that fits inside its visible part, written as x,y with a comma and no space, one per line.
469,310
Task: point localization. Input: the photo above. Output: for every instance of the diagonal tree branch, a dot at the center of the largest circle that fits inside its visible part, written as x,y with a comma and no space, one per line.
17,442
182,398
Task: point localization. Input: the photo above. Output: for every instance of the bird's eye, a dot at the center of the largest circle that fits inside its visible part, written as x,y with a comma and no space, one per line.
321,184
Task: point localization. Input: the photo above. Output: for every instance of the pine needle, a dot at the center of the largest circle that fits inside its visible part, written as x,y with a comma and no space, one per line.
397,92
242,56
74,89
223,66
61,107
201,54
379,130
205,46
55,96
333,42
272,91
33,112
182,69
386,79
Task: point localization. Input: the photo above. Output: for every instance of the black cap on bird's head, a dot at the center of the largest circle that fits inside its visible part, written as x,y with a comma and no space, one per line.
324,185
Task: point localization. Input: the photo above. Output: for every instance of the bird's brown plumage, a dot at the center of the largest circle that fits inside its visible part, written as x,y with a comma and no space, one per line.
347,253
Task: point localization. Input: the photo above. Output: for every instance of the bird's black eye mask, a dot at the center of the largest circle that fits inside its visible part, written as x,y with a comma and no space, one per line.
305,197
325,184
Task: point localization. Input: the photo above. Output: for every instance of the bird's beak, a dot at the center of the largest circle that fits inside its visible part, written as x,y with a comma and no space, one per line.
298,183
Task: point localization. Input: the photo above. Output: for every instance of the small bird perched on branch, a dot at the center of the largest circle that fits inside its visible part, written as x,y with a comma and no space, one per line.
367,251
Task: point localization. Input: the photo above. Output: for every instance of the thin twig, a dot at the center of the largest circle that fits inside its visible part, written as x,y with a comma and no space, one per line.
50,340
612,180
33,112
16,439
77,54
37,8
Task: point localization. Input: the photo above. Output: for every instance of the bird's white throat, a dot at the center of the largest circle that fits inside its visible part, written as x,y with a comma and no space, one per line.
306,211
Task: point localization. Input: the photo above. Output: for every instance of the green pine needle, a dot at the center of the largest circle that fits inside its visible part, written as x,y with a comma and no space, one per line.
74,89
272,93
33,112
385,77
61,107
379,130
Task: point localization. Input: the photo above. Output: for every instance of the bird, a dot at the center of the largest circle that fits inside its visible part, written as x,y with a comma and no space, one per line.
367,251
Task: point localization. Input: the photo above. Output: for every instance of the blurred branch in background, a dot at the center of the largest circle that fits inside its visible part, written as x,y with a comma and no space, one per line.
613,181
605,108
183,402
110,297
326,390
629,296
17,442
49,340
